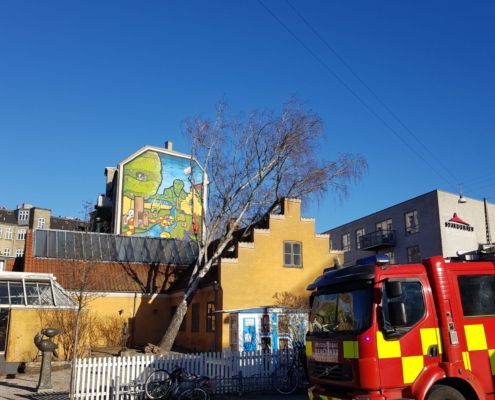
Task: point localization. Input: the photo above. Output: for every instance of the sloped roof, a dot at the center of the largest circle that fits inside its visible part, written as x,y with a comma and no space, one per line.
7,216
91,246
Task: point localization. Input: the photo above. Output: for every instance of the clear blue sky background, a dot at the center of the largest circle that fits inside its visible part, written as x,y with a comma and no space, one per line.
83,84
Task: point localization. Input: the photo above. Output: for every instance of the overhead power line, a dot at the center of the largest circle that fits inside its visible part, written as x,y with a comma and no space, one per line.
358,97
375,95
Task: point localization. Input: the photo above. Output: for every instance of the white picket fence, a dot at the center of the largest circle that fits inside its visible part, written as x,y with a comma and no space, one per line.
109,377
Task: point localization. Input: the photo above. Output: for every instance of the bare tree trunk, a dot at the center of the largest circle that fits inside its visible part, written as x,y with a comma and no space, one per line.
173,329
72,387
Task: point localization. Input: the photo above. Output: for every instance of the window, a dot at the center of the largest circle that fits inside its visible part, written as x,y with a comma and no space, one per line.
346,242
210,316
266,344
477,294
195,317
391,256
283,324
265,323
9,233
21,234
292,254
359,233
37,293
411,221
41,223
19,252
283,344
23,215
413,254
414,304
0,232
6,252
384,225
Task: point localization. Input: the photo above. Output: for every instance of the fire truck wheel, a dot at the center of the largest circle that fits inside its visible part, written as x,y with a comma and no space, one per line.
443,392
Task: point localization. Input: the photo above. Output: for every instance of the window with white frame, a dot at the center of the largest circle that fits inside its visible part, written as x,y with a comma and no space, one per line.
9,233
1,232
346,242
6,252
384,225
292,254
359,234
411,221
23,215
21,234
41,223
19,252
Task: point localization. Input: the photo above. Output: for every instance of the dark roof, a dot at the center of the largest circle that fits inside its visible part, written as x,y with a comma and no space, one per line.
67,224
7,216
92,246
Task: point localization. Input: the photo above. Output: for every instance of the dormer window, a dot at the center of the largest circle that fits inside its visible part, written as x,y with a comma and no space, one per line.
23,216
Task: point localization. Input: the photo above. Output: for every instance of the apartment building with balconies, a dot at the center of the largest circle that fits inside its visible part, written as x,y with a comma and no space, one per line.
434,223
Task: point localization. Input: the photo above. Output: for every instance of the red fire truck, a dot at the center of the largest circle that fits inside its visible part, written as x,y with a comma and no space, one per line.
411,331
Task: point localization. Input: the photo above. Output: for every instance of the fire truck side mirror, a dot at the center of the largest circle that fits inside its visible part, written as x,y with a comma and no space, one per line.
393,289
397,314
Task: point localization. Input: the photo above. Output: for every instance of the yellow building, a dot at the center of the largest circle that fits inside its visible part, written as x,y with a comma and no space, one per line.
285,255
140,281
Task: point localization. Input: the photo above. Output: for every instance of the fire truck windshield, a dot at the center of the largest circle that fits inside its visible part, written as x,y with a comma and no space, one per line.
343,308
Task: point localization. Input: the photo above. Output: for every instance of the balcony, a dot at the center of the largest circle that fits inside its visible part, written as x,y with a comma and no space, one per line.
377,239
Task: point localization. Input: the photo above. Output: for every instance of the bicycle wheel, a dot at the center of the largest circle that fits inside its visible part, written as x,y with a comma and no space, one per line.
158,384
194,394
285,380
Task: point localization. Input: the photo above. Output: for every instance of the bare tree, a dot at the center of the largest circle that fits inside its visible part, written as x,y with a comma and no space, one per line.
83,298
252,162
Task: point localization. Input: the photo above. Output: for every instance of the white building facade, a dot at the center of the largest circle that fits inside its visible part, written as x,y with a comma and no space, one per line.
435,223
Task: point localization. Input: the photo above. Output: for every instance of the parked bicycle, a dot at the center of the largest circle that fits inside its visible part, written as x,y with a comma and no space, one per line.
289,373
179,384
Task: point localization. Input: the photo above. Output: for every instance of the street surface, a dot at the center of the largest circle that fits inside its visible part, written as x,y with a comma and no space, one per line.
23,386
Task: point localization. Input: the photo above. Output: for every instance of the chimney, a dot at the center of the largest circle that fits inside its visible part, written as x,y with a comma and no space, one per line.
168,145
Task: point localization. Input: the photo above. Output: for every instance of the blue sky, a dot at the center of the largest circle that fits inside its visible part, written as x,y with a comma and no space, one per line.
85,84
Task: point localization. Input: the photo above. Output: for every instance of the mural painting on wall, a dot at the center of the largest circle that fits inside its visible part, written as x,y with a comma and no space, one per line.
162,197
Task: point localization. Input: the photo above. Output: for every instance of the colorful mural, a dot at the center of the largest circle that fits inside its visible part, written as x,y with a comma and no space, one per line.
161,197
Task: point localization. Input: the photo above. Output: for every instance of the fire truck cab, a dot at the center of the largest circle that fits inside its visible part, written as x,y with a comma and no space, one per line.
411,331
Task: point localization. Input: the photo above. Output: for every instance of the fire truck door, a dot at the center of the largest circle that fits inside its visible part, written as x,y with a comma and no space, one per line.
404,351
475,304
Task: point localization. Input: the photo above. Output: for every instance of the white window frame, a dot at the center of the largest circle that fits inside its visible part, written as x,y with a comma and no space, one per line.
385,225
359,233
9,233
412,222
19,252
346,242
6,252
1,232
41,223
21,234
23,215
